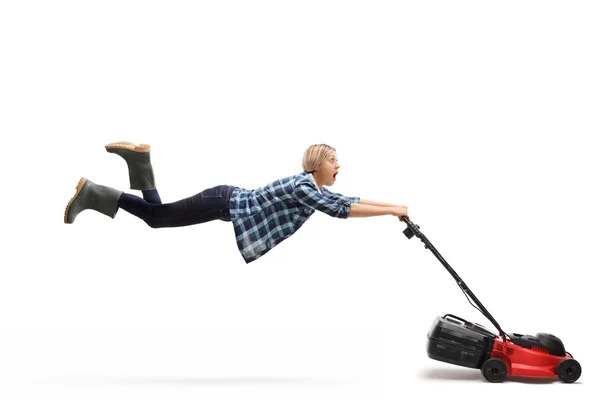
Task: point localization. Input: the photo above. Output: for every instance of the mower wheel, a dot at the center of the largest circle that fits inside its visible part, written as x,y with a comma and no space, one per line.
494,370
568,370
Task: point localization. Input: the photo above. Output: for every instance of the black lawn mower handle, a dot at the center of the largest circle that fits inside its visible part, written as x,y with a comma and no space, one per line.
414,230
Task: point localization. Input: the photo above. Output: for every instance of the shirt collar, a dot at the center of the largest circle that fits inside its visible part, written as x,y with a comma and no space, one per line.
312,179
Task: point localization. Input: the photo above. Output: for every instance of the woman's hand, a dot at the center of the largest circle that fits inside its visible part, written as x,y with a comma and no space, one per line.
399,211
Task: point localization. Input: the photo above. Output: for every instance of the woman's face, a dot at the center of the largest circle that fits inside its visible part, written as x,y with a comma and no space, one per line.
327,172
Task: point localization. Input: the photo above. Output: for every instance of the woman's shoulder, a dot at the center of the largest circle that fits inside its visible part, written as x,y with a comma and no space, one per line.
284,184
304,178
288,185
293,179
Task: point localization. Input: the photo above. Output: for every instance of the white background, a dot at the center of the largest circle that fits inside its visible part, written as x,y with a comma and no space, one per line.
480,116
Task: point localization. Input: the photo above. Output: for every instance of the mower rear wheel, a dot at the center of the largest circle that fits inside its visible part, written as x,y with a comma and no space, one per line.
568,370
494,370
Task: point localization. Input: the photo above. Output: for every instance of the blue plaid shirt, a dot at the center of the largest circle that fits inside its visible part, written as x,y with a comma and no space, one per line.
264,217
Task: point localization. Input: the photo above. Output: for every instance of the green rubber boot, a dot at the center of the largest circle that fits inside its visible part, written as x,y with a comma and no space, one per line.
141,174
90,196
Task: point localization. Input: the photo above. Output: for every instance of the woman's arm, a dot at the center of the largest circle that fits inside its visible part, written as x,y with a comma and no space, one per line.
375,203
307,195
360,209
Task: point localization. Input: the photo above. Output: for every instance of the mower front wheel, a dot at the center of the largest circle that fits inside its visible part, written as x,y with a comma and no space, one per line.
494,370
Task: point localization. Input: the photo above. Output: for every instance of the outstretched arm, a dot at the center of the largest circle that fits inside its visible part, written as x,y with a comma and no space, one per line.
361,209
375,203
340,206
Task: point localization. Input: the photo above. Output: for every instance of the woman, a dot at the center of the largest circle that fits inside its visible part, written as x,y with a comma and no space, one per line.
261,218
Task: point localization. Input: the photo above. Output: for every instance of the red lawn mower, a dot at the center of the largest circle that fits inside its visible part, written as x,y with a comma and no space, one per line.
454,340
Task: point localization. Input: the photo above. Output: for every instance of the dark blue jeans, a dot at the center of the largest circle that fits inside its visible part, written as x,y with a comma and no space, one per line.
208,205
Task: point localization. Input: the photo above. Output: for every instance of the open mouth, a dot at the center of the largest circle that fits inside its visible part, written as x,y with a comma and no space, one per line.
334,175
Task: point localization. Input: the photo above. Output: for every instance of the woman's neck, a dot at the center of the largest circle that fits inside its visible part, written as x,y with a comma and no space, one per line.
319,185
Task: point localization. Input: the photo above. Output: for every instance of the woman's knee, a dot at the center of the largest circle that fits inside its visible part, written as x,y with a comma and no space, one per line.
153,223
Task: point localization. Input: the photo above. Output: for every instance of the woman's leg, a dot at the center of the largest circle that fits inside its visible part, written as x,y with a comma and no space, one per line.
151,196
205,206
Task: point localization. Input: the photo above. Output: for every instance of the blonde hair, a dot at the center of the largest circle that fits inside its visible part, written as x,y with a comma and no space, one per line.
314,156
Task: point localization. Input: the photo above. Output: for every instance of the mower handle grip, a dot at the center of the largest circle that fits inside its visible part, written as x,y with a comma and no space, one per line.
412,229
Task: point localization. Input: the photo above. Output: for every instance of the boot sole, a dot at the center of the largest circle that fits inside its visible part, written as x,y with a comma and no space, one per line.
78,189
142,148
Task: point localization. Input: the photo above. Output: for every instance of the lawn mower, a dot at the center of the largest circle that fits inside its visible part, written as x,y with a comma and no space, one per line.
454,340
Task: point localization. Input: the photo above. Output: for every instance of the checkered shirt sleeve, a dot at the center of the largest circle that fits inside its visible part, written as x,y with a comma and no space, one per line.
308,196
339,197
